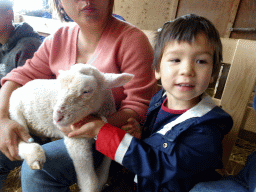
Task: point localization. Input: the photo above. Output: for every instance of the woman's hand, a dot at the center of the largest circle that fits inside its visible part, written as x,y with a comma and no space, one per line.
65,130
10,134
133,127
89,127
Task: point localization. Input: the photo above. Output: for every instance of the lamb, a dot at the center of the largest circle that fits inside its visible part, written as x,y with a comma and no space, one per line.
41,106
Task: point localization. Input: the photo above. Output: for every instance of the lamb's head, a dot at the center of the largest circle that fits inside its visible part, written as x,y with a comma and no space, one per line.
81,92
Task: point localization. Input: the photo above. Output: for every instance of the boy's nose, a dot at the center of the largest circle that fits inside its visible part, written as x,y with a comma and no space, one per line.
187,68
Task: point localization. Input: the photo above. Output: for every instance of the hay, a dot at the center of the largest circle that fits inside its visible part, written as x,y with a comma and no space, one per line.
241,150
13,181
238,157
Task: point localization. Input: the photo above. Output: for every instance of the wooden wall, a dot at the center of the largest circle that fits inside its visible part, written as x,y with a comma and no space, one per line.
225,14
146,14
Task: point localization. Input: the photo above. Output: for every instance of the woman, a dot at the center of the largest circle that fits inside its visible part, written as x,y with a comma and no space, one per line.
98,39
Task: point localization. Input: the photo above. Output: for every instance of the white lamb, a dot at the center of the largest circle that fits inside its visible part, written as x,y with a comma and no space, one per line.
42,105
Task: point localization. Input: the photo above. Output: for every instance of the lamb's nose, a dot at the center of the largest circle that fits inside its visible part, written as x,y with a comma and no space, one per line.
61,110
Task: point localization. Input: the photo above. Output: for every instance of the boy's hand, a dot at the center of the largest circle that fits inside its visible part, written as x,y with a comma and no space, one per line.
133,127
89,127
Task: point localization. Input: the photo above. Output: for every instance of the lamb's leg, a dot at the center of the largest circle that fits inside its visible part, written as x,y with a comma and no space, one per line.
33,153
103,171
80,151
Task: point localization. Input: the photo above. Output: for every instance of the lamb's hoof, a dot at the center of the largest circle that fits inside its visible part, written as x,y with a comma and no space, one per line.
36,165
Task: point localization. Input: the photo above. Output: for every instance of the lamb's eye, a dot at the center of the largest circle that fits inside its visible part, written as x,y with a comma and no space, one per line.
87,91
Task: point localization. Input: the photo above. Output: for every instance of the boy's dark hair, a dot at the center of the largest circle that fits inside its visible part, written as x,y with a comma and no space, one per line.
185,28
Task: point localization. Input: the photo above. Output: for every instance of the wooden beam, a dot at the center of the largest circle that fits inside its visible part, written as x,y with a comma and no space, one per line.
173,9
232,17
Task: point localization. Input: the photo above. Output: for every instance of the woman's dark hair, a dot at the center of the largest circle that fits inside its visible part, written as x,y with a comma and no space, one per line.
186,28
55,6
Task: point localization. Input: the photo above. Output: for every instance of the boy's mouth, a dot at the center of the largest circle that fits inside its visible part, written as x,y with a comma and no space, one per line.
185,85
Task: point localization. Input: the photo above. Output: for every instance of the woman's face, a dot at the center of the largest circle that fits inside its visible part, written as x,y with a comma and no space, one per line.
86,11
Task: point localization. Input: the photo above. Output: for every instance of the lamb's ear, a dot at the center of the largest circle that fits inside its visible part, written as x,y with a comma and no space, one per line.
116,80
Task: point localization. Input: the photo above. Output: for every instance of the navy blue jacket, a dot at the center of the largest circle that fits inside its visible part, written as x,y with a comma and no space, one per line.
184,152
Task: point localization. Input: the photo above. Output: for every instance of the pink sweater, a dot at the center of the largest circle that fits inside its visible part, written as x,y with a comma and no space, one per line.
122,48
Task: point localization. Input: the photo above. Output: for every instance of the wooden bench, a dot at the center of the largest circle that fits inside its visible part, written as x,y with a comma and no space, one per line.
240,83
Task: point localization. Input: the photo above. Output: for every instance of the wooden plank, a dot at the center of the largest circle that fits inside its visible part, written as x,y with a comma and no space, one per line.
229,47
173,9
146,14
151,36
232,17
249,121
239,86
216,101
221,80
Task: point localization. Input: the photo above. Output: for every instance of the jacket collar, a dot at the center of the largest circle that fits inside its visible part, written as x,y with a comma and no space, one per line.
157,100
203,107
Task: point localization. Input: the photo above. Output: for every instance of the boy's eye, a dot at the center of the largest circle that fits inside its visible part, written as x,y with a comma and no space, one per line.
201,61
175,60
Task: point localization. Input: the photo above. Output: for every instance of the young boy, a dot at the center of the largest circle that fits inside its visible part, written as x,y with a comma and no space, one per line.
181,138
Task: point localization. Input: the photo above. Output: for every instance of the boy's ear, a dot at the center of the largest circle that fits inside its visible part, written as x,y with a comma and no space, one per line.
157,75
212,79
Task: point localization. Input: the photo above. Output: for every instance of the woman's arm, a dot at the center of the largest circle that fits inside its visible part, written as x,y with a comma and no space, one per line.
10,131
136,56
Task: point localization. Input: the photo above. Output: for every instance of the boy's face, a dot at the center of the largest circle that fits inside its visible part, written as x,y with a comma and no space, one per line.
186,71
